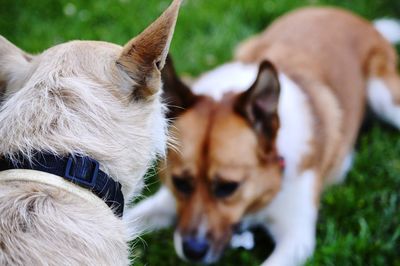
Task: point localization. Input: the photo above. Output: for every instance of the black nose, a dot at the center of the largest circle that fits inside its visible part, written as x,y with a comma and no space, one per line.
195,249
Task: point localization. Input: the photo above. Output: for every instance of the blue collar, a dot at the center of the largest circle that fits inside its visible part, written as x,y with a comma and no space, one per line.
80,170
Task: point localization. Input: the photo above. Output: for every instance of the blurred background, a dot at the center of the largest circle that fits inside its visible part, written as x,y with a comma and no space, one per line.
359,221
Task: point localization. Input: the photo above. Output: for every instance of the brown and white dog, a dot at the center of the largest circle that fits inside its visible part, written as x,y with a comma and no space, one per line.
296,94
82,99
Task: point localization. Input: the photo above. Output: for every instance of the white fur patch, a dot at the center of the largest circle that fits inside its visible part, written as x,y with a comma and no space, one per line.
244,240
296,125
153,213
382,103
345,168
389,28
202,228
291,220
230,77
54,181
178,245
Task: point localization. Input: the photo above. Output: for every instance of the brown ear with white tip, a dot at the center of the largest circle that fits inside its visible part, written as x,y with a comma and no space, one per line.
144,56
259,105
13,65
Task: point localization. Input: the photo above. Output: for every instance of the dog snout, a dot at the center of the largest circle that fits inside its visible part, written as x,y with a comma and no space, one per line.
195,249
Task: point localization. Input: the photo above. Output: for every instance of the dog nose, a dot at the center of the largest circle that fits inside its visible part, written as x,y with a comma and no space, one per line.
195,249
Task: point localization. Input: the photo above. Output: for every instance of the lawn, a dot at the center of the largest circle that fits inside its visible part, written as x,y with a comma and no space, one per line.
359,220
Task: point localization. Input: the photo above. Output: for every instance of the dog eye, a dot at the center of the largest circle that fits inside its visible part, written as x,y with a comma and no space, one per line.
183,185
225,189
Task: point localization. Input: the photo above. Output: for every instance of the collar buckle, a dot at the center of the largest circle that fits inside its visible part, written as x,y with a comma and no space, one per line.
82,170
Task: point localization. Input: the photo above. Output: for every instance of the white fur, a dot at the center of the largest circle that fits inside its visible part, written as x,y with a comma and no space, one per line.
230,77
73,101
202,228
80,97
296,125
123,136
381,101
13,65
345,168
244,240
389,28
54,181
45,225
291,220
153,213
178,245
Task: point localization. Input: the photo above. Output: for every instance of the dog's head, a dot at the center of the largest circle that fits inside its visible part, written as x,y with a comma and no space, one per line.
88,97
226,163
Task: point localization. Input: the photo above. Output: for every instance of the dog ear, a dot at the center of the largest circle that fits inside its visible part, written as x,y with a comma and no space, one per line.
14,64
259,104
176,94
144,56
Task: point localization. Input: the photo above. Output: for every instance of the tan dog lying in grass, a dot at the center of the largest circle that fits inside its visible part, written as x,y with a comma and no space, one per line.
260,138
79,125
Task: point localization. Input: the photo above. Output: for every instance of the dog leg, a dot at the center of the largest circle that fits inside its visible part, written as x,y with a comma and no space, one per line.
293,219
153,213
384,97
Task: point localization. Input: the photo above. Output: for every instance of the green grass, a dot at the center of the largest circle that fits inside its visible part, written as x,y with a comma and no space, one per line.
359,220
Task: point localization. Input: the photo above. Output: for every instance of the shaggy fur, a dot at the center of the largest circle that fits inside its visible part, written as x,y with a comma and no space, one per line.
78,97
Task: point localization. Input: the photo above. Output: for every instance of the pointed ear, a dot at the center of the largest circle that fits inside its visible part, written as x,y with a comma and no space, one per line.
259,104
144,56
14,64
177,96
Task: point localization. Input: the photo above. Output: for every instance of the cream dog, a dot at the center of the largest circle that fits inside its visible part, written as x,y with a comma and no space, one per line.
79,125
261,137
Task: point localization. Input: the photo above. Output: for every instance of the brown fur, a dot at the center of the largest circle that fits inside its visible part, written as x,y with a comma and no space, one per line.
332,73
211,138
334,38
330,55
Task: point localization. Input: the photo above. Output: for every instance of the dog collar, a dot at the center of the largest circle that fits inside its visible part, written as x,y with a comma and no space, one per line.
79,170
